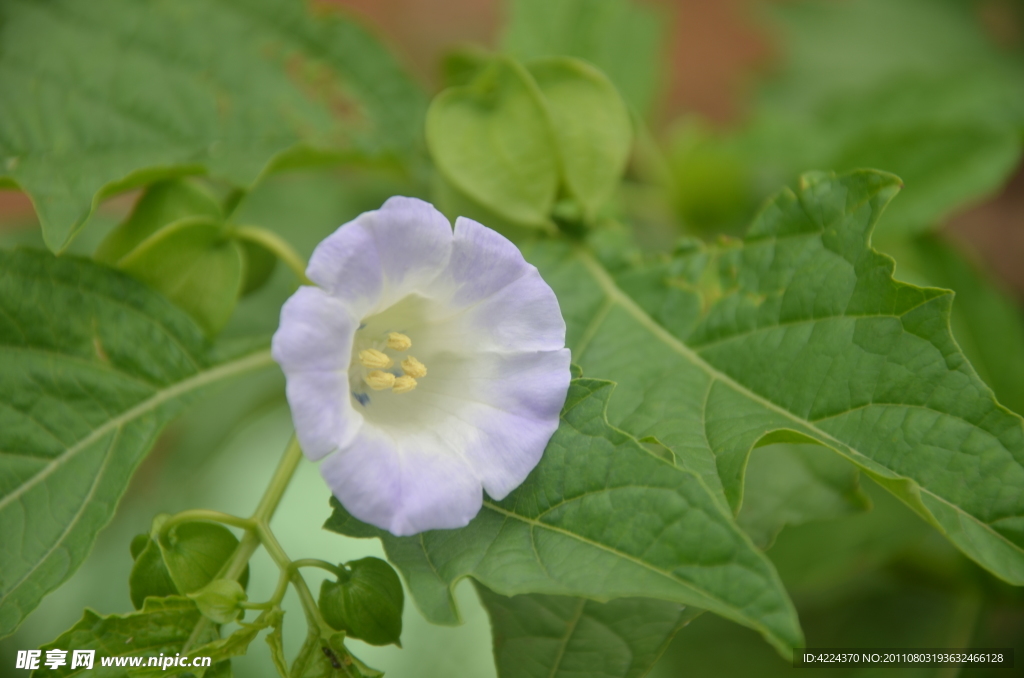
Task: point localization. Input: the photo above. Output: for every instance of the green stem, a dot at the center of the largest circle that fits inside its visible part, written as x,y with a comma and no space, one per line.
256,606
276,244
322,564
251,540
282,587
278,483
309,606
205,516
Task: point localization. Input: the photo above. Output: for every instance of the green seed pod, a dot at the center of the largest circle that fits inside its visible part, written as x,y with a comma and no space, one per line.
138,545
190,556
149,576
368,604
194,553
219,600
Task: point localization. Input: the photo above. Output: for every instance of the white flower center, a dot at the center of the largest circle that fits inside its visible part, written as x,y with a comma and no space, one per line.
375,365
384,351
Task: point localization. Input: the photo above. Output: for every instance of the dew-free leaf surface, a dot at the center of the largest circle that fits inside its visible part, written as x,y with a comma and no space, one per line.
100,96
92,366
917,88
792,484
987,322
161,628
600,517
538,636
798,333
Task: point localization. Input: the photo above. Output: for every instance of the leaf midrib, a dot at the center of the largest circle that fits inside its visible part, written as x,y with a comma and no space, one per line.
570,629
609,287
97,480
612,291
252,361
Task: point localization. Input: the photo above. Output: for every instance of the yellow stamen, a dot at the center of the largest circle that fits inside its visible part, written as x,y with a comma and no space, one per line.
414,368
371,357
379,381
399,342
404,384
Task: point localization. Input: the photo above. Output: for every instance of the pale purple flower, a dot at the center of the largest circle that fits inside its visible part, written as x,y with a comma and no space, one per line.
426,366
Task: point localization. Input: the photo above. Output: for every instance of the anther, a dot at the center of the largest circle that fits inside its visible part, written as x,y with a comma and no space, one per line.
398,341
404,384
379,381
371,357
414,368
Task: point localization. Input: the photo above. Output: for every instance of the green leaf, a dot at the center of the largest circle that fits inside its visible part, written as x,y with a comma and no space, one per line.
602,518
161,627
834,49
275,640
492,140
93,365
986,321
238,642
538,636
945,165
817,557
800,328
327,657
916,88
622,38
591,127
796,484
101,96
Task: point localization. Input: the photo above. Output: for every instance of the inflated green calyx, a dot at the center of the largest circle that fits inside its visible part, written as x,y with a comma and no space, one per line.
367,604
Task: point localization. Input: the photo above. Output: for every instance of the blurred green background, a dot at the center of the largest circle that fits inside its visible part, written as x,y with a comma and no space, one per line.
732,100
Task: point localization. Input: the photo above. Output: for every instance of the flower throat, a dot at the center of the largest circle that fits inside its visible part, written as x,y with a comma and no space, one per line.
378,366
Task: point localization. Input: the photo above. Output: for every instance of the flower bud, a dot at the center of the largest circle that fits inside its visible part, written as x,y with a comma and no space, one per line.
219,600
368,605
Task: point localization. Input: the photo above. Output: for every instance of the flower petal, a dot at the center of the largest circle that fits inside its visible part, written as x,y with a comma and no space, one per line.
510,401
322,411
381,256
346,265
315,333
483,262
404,484
313,346
498,302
